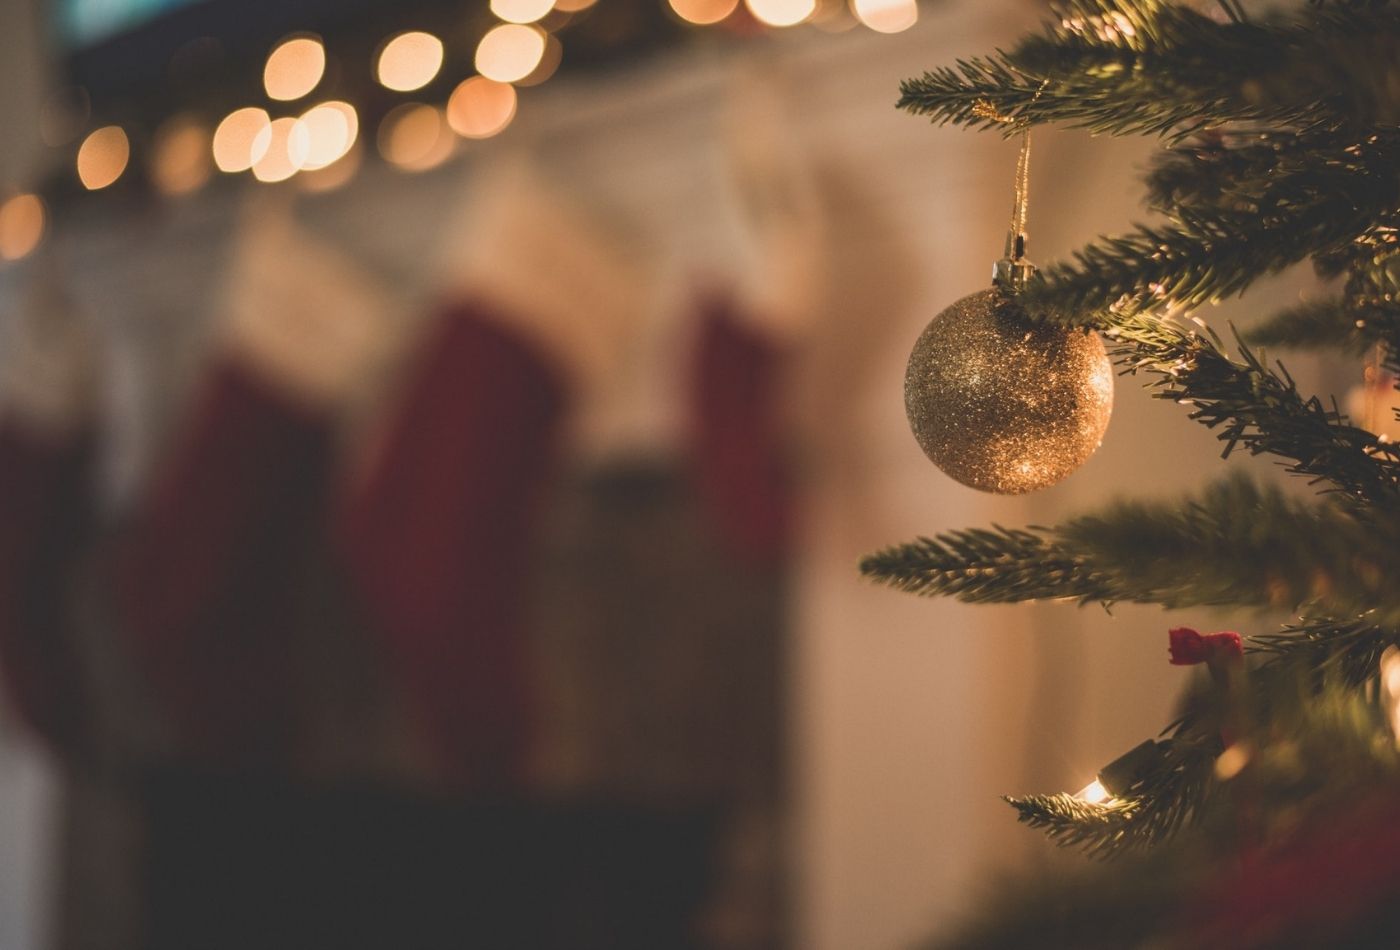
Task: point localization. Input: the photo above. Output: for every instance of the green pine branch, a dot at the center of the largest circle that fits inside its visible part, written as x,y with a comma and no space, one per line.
1313,676
1226,232
1159,68
1251,406
1285,145
1235,544
1329,649
1318,768
1163,800
1313,324
981,566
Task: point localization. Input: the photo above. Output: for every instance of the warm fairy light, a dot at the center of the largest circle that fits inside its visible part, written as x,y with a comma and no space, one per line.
22,220
1108,28
703,12
781,12
521,11
284,145
102,157
886,16
550,59
237,138
1231,762
1094,793
510,52
415,137
331,129
481,107
573,6
180,160
410,61
294,68
333,176
1390,687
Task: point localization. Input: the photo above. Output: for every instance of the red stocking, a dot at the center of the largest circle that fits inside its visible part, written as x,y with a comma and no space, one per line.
436,540
208,583
736,433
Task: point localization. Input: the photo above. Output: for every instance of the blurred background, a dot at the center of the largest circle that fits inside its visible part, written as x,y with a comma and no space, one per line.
436,443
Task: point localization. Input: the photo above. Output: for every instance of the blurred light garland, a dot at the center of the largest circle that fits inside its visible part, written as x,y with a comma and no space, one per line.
469,90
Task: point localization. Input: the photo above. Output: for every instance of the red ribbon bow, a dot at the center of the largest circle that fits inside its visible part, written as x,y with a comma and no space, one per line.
1189,647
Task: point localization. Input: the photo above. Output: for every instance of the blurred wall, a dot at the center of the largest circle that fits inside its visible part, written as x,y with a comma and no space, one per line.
908,718
28,787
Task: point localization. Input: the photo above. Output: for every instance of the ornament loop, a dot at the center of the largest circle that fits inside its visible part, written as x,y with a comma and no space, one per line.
1013,270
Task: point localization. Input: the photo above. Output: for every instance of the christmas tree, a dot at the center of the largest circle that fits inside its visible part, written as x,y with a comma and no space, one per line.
1260,816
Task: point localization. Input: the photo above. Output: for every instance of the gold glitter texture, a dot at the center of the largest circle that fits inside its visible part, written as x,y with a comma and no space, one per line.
1004,404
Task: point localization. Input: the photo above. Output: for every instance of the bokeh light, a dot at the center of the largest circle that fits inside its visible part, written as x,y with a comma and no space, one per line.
180,156
238,137
703,12
573,6
103,157
22,222
480,108
510,52
284,145
781,12
294,68
415,137
409,61
331,129
886,16
521,11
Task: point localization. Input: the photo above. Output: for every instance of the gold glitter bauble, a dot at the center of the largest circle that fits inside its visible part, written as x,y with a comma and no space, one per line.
1005,404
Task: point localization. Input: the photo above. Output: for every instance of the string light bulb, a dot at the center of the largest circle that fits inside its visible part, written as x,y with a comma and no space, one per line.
1119,775
331,129
409,61
22,223
886,16
284,145
1094,793
294,68
1390,687
703,12
781,12
238,138
480,108
510,52
103,156
521,11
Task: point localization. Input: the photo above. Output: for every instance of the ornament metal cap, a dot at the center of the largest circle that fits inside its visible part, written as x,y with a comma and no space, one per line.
1013,271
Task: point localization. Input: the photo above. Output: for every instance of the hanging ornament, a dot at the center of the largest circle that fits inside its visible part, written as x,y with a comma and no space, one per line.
1002,402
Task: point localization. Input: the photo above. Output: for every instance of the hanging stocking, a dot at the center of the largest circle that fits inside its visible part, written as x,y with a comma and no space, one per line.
775,235
210,576
437,538
45,451
737,435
